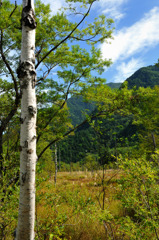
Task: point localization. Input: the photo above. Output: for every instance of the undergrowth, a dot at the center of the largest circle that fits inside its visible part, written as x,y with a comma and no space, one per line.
111,204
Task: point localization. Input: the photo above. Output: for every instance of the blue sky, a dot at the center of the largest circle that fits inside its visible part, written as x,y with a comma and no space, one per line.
136,35
136,38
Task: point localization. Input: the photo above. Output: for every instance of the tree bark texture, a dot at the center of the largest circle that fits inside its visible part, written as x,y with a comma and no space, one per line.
27,76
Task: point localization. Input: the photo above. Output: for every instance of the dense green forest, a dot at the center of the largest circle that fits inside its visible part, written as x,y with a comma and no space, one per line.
118,132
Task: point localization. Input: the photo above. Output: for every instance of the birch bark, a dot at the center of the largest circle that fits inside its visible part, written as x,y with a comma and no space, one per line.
27,75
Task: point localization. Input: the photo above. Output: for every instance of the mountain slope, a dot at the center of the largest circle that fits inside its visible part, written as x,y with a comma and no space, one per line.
118,132
78,107
144,77
114,85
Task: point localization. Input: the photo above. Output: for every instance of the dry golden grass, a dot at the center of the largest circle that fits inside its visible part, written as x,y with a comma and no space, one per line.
75,204
79,206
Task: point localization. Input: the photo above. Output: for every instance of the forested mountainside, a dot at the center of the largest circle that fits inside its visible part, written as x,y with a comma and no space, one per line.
144,77
78,107
114,85
117,132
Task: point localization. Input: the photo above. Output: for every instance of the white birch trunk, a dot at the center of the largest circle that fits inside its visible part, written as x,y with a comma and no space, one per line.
27,75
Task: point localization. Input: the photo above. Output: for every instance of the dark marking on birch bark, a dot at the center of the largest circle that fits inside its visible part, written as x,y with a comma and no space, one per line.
33,138
30,151
23,178
22,120
25,72
26,144
32,111
33,60
20,148
24,84
25,68
33,82
28,16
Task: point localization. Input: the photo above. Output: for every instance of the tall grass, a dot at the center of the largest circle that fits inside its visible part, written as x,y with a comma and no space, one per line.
72,208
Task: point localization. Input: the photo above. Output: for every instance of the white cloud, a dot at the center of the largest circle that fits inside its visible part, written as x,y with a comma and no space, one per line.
112,8
55,4
125,70
143,35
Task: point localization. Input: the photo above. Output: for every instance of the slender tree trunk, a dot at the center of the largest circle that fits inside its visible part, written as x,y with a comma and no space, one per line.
154,141
27,75
59,167
55,163
59,157
1,155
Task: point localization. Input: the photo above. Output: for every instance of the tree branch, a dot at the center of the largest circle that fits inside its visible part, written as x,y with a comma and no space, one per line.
10,115
13,9
65,100
8,66
92,117
18,96
70,131
62,41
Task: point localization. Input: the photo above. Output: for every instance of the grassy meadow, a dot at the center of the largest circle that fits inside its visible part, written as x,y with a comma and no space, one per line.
73,209
113,204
